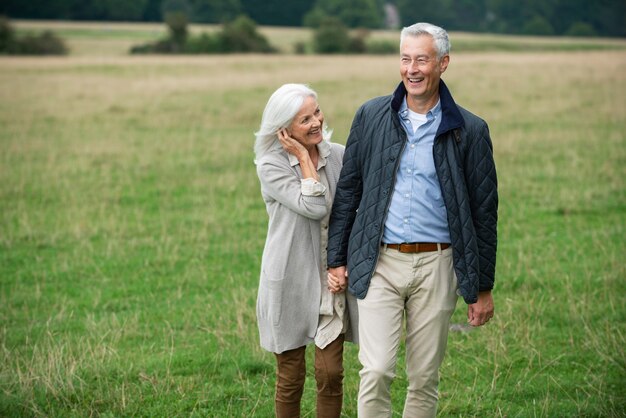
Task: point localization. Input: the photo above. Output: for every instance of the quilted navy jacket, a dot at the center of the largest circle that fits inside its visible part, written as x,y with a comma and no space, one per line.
464,162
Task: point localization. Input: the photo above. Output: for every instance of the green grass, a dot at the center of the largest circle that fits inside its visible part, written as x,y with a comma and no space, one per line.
132,226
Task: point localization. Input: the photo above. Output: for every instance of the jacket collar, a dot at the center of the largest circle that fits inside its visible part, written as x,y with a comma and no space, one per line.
451,117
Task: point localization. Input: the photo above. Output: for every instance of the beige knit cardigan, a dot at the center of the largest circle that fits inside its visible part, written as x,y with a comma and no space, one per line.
289,294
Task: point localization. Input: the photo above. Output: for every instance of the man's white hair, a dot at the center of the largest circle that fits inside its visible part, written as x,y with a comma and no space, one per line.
439,35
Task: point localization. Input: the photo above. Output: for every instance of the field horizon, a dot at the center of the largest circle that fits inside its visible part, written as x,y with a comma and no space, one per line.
116,38
132,228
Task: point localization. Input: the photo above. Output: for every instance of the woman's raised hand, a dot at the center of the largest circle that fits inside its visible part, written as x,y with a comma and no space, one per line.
291,145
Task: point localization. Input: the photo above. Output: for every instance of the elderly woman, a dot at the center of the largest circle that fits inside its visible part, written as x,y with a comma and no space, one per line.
298,303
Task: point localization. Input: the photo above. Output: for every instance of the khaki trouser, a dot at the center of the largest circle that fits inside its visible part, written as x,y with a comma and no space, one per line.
291,373
418,287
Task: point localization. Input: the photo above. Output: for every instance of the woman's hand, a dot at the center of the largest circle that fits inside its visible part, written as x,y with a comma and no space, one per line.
336,284
291,145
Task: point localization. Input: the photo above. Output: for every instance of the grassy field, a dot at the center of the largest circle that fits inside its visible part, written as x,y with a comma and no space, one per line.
131,230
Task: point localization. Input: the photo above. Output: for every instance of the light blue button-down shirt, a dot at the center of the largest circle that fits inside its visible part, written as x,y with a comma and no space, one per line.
417,212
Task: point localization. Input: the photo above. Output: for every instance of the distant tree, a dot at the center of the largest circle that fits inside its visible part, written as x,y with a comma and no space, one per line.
468,15
46,43
608,17
580,29
522,15
152,11
437,12
568,12
277,12
177,25
604,17
538,25
331,37
215,11
123,9
241,35
176,16
314,18
105,9
7,34
352,13
175,6
37,9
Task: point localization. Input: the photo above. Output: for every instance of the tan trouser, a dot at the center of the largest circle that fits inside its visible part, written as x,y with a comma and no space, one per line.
291,373
422,288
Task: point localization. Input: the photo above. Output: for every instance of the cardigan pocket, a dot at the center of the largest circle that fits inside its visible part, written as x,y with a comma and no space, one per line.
271,298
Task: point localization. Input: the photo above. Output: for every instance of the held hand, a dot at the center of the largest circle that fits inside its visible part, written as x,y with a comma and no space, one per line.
481,312
337,279
291,145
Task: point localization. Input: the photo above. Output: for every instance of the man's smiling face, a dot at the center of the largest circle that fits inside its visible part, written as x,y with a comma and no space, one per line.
421,70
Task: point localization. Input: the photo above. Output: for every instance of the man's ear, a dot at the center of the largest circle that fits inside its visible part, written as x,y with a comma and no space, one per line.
443,63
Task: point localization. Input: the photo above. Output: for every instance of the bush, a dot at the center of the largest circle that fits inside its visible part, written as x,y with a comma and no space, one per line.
357,42
239,35
203,44
177,24
383,47
538,25
314,18
581,29
163,46
7,34
331,37
46,43
299,48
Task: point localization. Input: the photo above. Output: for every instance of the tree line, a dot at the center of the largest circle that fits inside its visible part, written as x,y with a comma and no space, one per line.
530,17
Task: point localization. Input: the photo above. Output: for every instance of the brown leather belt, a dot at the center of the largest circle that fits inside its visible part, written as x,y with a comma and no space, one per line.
416,247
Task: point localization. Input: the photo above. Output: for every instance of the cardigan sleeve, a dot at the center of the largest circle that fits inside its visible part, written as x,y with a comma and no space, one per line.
280,182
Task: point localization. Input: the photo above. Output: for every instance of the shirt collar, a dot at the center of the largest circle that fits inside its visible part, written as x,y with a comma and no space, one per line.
433,113
323,149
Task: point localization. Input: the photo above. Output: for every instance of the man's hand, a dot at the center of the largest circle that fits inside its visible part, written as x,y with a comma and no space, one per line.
337,279
481,312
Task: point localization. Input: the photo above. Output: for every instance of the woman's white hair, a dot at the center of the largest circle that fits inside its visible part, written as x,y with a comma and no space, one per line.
283,105
440,36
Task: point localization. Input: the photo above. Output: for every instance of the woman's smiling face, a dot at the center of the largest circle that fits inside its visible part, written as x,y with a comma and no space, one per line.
306,126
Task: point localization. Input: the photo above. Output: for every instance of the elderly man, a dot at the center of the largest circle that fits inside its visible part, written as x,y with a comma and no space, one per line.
413,224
